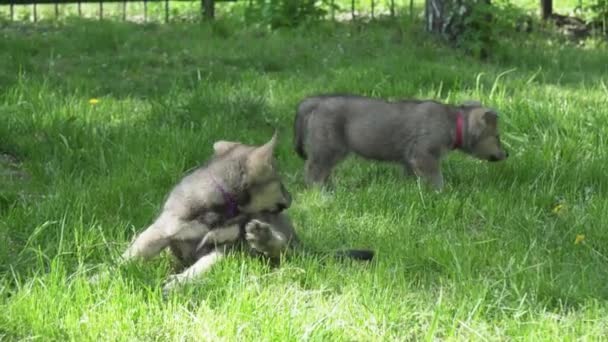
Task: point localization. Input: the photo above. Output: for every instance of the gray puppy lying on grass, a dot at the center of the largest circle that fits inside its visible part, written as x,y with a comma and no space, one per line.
234,201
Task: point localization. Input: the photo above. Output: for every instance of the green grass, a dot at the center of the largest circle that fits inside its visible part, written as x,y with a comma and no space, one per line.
486,259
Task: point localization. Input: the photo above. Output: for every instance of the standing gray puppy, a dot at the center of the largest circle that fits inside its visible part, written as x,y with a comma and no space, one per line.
416,133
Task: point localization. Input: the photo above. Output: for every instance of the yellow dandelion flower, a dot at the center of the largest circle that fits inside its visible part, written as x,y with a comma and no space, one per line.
558,208
93,101
580,238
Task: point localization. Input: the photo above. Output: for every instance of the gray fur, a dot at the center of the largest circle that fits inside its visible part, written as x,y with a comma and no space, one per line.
415,133
193,222
196,206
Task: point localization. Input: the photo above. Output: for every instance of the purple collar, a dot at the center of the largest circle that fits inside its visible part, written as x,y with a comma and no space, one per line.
232,208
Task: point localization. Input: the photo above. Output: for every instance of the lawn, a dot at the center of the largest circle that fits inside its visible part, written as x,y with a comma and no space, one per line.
494,256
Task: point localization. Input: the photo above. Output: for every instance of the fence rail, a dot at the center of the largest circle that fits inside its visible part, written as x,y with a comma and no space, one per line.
207,7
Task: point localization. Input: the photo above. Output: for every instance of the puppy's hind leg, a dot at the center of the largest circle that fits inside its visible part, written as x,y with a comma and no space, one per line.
151,241
320,165
146,245
326,148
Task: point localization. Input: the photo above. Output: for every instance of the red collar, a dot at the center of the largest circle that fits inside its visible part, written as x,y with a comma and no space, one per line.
459,132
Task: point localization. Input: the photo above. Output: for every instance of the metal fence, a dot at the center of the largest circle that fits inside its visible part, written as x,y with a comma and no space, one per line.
349,9
207,6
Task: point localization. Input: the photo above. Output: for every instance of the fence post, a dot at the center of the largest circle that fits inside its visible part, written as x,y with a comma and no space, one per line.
145,10
100,10
12,12
166,11
35,13
392,8
546,8
411,9
79,9
373,5
208,8
352,9
124,11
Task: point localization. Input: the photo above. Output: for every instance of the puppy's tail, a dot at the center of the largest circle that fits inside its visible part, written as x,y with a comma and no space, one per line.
356,254
305,107
341,255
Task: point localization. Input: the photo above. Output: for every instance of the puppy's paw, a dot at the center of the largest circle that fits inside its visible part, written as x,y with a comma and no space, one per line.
262,238
102,274
172,282
258,232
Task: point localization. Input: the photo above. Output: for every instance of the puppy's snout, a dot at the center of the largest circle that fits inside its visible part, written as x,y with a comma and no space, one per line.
498,157
286,198
281,207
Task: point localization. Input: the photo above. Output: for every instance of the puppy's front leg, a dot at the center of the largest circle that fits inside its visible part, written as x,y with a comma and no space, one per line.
426,166
200,267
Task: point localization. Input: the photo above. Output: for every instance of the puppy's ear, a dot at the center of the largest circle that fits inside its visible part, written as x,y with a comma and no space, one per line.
223,146
490,117
481,119
259,162
476,122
